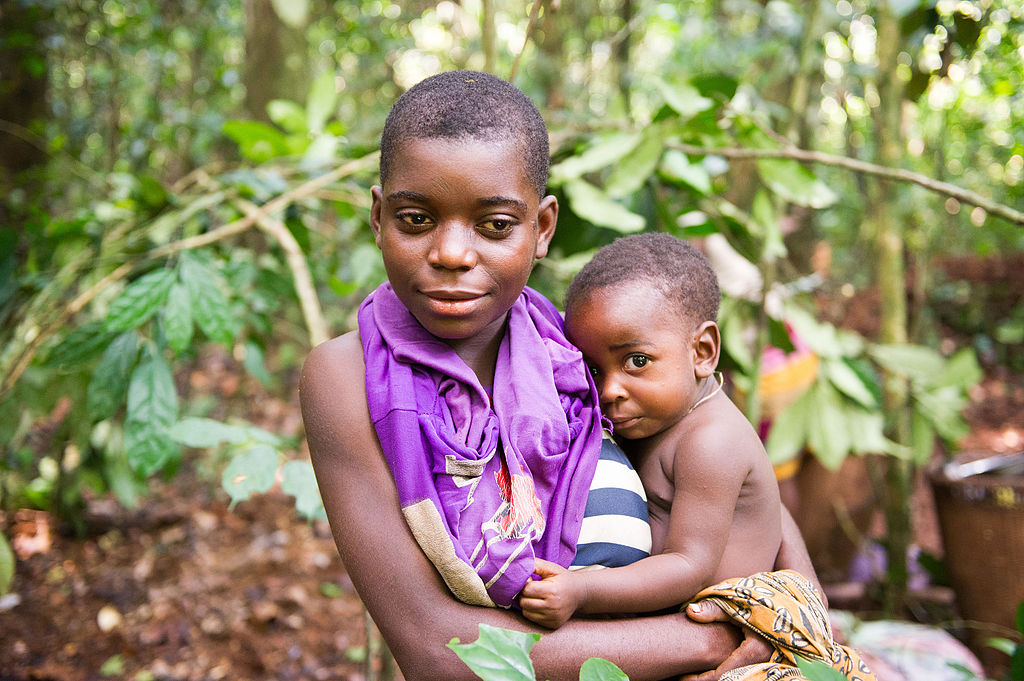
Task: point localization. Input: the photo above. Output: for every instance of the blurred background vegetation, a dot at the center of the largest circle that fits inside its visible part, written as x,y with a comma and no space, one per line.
177,175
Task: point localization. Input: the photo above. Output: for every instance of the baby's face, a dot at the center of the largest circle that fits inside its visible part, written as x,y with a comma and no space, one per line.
459,226
641,355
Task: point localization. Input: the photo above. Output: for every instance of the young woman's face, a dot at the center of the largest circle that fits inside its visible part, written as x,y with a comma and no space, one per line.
641,354
459,226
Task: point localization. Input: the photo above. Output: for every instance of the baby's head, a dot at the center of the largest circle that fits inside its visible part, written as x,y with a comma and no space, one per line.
468,105
644,313
670,266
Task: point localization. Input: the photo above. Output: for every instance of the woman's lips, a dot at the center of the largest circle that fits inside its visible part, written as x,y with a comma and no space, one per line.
452,302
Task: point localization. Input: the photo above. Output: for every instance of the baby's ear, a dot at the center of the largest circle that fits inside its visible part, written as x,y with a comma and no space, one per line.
707,345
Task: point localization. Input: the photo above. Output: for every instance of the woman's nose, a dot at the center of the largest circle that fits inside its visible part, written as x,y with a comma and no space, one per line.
452,247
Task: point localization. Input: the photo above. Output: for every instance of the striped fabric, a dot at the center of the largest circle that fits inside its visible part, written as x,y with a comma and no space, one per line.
615,529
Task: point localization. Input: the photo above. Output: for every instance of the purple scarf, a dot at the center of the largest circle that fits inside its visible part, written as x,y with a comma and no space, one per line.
451,448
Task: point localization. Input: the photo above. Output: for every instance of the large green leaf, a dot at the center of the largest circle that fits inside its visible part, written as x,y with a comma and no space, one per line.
815,670
251,472
599,669
944,407
629,174
177,316
196,431
916,362
140,300
210,307
257,141
288,115
789,431
848,382
152,408
795,183
867,430
685,99
323,96
593,205
600,154
109,381
81,344
676,168
299,481
962,371
828,433
498,654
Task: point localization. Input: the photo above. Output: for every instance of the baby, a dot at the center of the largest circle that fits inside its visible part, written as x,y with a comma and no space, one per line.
643,312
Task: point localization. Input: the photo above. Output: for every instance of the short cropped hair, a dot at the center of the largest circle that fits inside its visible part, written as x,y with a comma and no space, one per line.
468,104
673,266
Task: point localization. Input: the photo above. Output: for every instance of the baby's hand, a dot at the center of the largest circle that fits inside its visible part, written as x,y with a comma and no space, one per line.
551,601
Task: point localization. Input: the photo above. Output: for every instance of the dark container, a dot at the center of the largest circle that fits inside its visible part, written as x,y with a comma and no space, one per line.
980,505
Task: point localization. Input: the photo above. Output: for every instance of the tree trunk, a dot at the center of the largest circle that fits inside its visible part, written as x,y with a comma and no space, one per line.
487,36
275,59
888,239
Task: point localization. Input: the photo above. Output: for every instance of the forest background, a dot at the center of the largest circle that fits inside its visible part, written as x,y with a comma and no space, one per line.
187,183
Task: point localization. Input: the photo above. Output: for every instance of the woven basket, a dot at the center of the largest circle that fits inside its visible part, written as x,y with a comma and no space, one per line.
981,514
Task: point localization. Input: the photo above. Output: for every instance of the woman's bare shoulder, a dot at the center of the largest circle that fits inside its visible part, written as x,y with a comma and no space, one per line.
332,391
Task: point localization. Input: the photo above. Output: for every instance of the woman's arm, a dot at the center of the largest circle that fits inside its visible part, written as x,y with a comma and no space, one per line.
411,605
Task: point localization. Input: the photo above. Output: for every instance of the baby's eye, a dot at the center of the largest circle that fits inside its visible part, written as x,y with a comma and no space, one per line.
637,361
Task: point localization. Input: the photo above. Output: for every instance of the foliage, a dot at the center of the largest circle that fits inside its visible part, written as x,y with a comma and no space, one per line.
504,655
1015,650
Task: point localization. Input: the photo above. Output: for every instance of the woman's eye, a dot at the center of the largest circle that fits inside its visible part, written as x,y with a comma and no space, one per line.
497,226
414,219
637,361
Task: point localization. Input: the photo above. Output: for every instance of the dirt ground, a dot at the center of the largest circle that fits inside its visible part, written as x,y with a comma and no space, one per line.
186,589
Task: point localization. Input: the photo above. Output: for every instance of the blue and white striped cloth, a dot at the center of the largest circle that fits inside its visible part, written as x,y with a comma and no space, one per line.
615,529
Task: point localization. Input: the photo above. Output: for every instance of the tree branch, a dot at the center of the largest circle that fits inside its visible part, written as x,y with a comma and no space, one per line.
856,165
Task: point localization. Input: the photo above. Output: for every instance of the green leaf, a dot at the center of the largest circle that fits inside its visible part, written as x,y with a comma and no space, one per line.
258,142
81,344
6,565
591,204
498,654
321,101
288,115
631,172
140,300
177,316
676,168
152,408
600,154
251,472
848,382
148,447
152,396
320,152
866,429
299,481
1020,618
962,371
828,434
685,99
198,432
943,408
599,669
255,365
114,666
210,307
794,183
915,362
109,381
764,215
789,431
815,670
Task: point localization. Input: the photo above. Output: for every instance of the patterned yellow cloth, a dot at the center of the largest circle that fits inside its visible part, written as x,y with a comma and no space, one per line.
784,608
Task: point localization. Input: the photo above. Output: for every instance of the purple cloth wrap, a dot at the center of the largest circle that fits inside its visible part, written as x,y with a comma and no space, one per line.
440,435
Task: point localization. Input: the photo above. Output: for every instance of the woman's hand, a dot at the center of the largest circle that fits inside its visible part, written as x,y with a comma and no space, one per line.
551,601
752,650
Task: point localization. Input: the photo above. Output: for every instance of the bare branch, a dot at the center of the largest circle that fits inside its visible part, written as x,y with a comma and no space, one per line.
955,191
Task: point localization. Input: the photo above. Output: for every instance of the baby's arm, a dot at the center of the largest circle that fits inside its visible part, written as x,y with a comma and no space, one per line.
706,486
